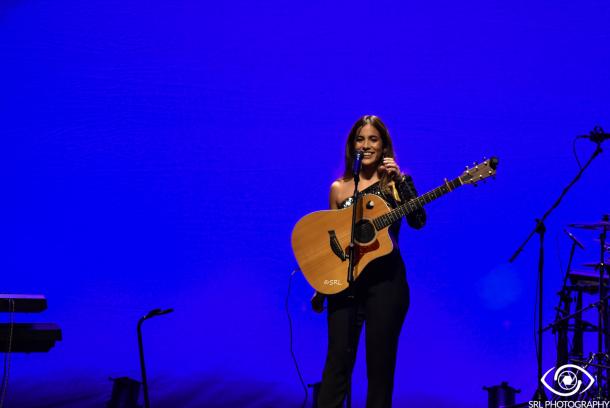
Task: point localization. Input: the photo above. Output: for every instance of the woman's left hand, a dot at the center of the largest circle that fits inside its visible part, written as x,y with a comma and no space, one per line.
317,302
389,165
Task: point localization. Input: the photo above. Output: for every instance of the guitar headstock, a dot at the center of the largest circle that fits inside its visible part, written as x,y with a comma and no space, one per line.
480,171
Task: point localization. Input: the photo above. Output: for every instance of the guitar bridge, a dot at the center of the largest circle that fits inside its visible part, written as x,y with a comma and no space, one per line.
336,246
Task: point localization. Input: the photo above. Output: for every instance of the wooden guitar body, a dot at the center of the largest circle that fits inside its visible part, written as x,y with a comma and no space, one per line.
320,242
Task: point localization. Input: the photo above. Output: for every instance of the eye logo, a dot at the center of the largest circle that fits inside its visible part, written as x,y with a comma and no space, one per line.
567,379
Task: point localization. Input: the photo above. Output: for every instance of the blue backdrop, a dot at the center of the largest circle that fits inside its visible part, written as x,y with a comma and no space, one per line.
158,154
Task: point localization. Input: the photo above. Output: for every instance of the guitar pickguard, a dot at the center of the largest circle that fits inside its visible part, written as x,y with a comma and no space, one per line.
362,250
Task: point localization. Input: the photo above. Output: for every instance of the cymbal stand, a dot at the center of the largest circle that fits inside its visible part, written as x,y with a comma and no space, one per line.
602,322
573,315
540,229
589,362
564,308
593,356
601,359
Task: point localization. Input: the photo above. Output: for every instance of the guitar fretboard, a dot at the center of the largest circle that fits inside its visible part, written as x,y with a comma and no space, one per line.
397,213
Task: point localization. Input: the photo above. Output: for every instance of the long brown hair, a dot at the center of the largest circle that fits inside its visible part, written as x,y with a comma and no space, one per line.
388,148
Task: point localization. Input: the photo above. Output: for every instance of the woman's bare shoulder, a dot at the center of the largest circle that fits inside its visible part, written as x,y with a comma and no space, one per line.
337,184
336,191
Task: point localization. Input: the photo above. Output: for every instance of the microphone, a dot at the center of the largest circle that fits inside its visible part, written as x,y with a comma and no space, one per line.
157,312
573,238
597,135
152,313
166,311
357,163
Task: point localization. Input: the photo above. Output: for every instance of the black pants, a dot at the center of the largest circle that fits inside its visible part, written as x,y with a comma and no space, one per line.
382,301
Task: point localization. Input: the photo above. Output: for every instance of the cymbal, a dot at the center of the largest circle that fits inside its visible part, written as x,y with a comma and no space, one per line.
585,281
592,226
576,275
595,265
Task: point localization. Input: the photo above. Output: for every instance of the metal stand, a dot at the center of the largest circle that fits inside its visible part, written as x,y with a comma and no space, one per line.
565,301
602,358
540,394
151,314
351,294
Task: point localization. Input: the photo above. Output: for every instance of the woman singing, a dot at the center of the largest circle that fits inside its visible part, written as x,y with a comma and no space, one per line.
381,291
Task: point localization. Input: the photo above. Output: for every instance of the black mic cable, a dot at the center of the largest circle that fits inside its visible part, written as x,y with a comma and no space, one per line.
294,357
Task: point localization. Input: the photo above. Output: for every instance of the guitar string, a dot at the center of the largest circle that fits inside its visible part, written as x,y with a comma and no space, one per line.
414,204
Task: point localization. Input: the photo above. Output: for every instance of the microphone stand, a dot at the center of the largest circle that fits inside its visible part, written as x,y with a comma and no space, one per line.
540,229
351,293
149,315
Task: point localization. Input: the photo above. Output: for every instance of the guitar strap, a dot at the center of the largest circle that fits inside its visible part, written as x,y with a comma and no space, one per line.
395,192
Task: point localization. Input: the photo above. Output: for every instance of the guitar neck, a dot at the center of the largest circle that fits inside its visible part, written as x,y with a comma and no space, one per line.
410,206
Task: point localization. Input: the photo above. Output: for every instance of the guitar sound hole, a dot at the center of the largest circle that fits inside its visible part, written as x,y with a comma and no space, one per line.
365,231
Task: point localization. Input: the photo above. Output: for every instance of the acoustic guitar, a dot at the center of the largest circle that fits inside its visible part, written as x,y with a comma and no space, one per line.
320,240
